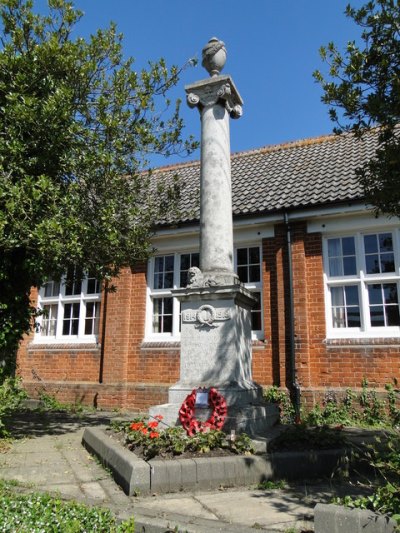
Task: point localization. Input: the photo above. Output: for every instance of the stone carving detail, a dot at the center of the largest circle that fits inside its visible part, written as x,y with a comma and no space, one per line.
197,279
192,100
214,56
206,315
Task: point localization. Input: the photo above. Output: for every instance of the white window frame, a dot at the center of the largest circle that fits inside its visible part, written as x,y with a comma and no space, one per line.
60,300
361,280
174,336
254,286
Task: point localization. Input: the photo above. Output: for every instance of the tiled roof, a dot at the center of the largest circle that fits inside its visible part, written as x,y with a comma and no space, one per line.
307,173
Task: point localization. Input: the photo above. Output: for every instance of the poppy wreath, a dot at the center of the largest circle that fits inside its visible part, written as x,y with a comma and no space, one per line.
216,402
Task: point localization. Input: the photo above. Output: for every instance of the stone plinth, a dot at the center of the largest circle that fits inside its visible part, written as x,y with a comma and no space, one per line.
216,352
216,343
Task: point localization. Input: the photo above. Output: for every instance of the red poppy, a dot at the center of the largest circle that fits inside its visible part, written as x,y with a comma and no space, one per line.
152,425
154,435
135,426
144,431
159,417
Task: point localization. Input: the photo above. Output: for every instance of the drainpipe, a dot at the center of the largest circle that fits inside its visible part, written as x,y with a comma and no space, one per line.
103,331
294,386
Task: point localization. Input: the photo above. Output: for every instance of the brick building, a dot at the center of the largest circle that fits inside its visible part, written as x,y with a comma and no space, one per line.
325,269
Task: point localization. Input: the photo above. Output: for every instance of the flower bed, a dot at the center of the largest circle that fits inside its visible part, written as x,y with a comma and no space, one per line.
145,438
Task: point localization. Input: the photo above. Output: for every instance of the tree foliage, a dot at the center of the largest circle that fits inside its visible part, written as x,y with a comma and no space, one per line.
77,124
363,91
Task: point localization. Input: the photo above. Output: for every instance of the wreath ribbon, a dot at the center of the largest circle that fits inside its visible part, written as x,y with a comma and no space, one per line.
216,420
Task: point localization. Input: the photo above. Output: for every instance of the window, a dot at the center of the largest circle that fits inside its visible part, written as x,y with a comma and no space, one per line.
71,308
362,280
170,271
248,267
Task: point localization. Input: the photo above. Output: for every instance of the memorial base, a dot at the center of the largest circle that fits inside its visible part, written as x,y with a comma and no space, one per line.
216,352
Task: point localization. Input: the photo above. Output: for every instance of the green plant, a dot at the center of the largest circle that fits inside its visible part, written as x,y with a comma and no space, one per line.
281,397
145,437
301,437
373,409
384,456
51,403
11,396
41,512
394,411
272,485
333,411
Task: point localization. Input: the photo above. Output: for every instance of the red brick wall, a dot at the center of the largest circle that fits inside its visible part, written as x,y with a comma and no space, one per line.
321,364
122,371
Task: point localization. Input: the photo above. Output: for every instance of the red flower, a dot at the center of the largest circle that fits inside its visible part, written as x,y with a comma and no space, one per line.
152,425
159,417
135,426
154,435
144,431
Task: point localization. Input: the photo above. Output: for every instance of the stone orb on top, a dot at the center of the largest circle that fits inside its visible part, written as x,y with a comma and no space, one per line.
214,56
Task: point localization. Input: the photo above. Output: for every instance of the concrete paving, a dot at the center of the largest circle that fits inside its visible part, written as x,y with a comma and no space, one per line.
47,455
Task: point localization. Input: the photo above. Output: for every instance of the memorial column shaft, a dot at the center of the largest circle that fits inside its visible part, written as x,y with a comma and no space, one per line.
216,233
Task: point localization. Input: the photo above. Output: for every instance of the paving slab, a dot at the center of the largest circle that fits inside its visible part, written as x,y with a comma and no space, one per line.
73,473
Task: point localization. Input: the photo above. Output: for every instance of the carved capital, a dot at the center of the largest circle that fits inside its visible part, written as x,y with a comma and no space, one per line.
217,90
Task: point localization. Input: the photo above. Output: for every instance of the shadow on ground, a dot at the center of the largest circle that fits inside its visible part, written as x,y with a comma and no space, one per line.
39,423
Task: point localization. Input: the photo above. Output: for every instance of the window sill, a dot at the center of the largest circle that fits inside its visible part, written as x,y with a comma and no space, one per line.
363,341
43,341
150,345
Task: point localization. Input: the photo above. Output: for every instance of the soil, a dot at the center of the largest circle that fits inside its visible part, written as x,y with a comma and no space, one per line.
216,452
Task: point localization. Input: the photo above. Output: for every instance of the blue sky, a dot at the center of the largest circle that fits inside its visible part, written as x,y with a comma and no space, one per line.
272,51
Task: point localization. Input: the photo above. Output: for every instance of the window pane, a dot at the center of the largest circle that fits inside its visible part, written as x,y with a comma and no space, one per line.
256,320
348,246
185,261
51,288
351,295
335,267
169,263
338,317
345,307
337,295
375,294
387,263
195,260
353,317
372,264
349,266
167,325
168,280
385,242
183,279
254,273
370,244
254,255
377,317
242,256
392,315
158,281
167,306
334,248
158,264
390,293
242,273
49,321
93,286
162,315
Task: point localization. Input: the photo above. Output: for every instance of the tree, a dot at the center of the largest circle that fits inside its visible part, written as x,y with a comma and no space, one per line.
365,93
77,123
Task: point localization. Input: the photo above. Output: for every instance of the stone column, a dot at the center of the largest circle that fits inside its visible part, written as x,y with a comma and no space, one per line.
217,100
